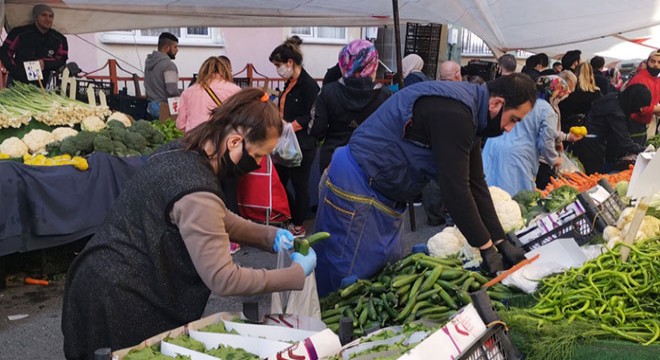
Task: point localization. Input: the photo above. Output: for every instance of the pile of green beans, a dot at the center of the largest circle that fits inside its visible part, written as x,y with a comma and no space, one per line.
624,297
417,287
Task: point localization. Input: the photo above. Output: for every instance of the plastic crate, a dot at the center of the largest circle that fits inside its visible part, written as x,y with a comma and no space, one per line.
242,82
98,86
134,106
493,345
583,227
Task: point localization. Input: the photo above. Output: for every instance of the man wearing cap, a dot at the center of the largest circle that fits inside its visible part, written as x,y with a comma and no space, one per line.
648,76
34,42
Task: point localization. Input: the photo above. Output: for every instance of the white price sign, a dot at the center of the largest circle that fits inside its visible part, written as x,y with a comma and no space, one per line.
33,70
173,104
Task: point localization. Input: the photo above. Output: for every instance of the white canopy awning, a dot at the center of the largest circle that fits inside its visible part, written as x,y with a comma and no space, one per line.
612,28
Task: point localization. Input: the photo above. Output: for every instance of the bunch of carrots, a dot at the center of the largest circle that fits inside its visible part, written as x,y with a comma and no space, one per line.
583,182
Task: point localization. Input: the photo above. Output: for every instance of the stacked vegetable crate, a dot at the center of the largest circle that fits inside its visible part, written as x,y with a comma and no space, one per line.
583,227
424,40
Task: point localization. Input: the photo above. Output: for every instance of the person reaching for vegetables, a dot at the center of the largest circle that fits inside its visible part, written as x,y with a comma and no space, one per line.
164,246
427,130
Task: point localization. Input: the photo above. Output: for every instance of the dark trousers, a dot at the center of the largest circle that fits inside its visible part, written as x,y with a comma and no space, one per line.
299,177
543,176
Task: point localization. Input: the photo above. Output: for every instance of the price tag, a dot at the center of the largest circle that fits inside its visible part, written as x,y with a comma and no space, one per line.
173,104
91,99
33,70
102,99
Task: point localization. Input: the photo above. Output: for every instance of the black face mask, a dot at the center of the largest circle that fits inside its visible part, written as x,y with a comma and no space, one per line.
653,71
245,165
493,126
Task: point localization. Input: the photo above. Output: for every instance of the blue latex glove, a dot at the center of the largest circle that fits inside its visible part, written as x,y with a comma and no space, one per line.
308,262
283,239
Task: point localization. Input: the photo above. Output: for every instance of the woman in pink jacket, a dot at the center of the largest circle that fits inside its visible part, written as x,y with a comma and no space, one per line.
213,86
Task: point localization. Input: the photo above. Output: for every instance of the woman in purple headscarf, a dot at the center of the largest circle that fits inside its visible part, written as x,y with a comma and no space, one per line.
343,105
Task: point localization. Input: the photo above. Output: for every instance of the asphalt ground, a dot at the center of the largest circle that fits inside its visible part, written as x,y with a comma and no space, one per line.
39,337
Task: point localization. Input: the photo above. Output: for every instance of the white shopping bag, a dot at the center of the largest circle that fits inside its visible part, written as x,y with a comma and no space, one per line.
304,302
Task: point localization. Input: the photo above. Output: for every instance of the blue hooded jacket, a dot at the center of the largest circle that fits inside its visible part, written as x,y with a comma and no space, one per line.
397,167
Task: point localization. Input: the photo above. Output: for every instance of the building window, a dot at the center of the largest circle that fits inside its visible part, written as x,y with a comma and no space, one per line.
188,36
321,34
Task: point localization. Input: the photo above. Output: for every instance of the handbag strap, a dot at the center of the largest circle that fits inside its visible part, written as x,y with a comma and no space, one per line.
212,94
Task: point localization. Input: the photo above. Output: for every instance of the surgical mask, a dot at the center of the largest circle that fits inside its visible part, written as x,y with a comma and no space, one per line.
284,71
245,165
653,71
493,126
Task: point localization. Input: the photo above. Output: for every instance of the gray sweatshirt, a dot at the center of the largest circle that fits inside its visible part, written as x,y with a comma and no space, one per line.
161,77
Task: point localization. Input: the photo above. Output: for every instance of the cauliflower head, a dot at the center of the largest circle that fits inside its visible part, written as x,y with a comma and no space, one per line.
14,147
36,141
445,243
61,132
92,123
507,209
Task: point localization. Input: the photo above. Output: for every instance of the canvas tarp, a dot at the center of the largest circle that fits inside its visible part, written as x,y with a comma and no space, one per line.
594,26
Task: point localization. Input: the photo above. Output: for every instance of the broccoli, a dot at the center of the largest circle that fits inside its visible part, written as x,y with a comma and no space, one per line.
115,124
104,144
54,148
119,146
527,198
135,141
127,152
84,142
560,197
144,128
69,146
147,151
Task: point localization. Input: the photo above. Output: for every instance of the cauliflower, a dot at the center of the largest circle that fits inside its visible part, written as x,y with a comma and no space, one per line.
121,117
92,123
649,228
36,141
445,243
508,210
13,147
61,132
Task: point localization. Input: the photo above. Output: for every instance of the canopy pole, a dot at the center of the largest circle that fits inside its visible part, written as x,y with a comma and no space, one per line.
397,42
399,77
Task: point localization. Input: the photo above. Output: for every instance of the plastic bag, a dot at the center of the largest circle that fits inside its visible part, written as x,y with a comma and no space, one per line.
287,152
304,302
568,165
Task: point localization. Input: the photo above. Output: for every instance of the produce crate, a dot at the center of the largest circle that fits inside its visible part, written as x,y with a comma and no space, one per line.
491,346
97,85
586,219
134,106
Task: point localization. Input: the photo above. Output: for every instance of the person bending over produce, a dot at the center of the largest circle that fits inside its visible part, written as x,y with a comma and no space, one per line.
165,244
428,130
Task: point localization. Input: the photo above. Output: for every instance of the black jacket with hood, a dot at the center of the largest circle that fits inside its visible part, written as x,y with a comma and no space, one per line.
338,110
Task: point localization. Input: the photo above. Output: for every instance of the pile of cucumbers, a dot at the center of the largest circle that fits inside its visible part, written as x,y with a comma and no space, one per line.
417,287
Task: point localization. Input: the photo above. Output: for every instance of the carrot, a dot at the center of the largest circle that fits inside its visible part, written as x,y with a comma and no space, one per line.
33,281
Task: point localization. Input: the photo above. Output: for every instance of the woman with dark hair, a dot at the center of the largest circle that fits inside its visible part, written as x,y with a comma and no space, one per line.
164,246
295,104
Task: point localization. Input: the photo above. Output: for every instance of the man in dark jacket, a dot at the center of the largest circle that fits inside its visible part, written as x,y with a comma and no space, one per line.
597,63
161,76
34,42
608,122
428,130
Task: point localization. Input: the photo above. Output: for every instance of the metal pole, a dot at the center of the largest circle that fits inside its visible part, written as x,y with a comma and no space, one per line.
399,76
397,39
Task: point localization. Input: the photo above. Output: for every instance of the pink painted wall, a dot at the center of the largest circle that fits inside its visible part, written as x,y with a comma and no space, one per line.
82,53
253,48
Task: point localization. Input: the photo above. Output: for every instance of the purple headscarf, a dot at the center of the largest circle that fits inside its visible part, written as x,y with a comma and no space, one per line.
358,59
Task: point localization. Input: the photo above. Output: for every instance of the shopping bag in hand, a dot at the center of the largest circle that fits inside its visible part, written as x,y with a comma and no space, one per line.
287,152
304,302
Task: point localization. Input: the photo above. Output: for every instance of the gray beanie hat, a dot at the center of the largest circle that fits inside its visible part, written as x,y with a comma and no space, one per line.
40,8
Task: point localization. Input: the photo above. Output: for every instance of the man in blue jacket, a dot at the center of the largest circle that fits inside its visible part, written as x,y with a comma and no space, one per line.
428,130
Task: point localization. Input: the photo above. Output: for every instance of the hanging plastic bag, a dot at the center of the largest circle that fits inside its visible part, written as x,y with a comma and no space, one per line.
568,165
287,152
304,302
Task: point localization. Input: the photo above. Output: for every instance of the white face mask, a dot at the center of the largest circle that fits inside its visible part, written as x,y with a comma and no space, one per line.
284,71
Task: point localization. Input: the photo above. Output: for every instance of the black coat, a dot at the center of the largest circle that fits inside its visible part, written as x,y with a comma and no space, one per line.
340,107
575,107
611,128
298,104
